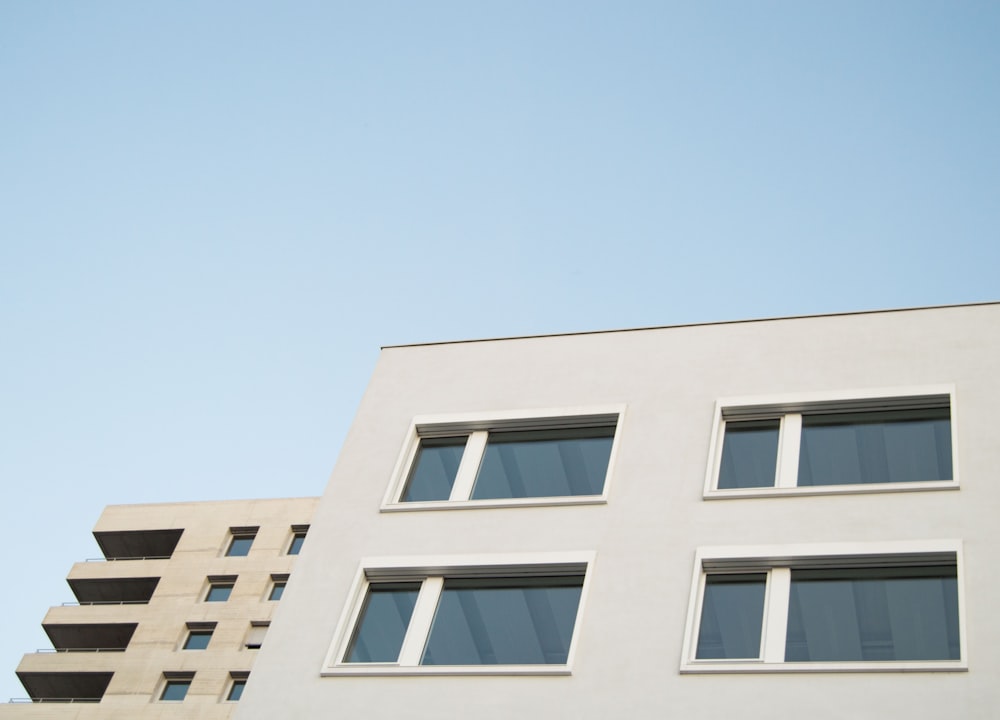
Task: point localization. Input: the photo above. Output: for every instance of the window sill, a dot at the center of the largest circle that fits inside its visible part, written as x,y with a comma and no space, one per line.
376,669
754,666
760,492
495,503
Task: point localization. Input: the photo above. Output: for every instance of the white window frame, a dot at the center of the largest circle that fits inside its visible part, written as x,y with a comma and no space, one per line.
431,571
777,561
477,427
789,409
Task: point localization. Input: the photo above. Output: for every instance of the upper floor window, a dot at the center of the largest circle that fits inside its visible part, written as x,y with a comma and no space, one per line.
505,460
242,539
852,443
298,539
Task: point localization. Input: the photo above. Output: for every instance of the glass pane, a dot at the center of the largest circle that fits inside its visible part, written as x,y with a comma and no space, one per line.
240,547
749,454
175,690
544,463
732,613
434,469
515,621
277,591
198,640
219,593
383,622
296,547
876,447
873,614
236,691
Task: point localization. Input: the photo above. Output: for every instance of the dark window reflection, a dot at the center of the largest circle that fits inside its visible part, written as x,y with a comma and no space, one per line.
434,469
382,624
749,454
732,613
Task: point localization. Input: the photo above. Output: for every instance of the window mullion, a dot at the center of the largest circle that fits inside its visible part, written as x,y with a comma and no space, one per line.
779,583
788,450
420,622
465,478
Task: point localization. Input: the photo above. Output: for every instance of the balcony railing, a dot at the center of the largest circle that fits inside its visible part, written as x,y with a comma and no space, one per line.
73,603
53,700
72,650
137,557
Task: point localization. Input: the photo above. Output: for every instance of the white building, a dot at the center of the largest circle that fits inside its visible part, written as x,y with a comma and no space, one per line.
777,518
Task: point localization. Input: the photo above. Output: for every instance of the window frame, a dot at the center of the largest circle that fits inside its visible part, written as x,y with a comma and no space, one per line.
278,580
477,426
780,407
239,534
171,679
200,629
771,558
220,582
236,678
299,533
431,572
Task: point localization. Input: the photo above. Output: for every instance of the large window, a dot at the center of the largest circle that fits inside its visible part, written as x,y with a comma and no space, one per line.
875,610
493,618
848,444
505,461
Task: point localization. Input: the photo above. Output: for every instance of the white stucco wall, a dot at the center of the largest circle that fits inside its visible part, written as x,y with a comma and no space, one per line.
631,632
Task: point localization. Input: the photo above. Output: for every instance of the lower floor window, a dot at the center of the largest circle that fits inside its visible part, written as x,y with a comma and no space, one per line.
466,617
820,609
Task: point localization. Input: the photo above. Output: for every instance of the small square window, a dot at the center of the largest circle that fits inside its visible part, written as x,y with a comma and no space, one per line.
506,461
242,539
298,539
520,620
197,639
869,444
896,611
176,689
219,589
236,689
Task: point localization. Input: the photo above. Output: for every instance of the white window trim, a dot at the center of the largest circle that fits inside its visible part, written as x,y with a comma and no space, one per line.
775,560
431,570
789,408
477,426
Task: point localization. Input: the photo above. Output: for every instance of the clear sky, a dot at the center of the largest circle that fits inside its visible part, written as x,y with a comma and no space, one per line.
213,214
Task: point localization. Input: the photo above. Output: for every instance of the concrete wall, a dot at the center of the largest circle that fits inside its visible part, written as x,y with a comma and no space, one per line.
631,631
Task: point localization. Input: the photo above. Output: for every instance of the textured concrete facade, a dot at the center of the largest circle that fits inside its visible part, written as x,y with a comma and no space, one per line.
138,606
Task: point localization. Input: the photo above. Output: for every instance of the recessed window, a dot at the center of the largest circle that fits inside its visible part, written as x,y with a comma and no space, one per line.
870,444
277,588
298,539
236,689
521,619
507,461
256,634
197,639
176,686
220,588
898,611
242,539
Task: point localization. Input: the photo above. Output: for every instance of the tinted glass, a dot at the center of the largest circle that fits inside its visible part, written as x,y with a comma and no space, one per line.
198,639
544,463
749,454
277,591
434,469
516,621
239,547
219,593
383,622
175,689
875,447
236,691
873,614
296,547
732,613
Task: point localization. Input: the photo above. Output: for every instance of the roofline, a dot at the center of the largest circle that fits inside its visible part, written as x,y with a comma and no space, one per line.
696,324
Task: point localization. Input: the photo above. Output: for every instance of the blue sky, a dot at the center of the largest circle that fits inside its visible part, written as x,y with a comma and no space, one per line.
213,214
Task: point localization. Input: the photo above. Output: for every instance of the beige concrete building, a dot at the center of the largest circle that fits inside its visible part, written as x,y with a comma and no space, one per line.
170,621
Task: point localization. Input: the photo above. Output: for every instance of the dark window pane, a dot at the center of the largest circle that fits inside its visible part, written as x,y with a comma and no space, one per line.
517,621
732,613
236,691
434,469
175,690
875,447
545,463
198,639
277,590
383,622
239,547
873,614
749,454
219,593
296,547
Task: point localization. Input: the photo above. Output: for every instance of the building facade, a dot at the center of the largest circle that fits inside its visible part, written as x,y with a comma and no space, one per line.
772,518
170,621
